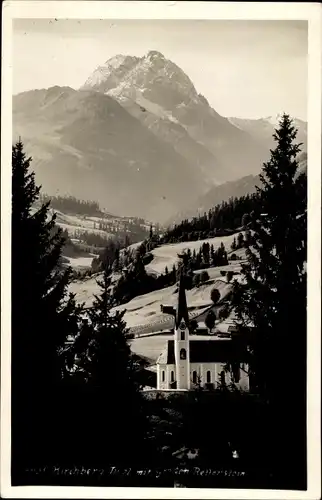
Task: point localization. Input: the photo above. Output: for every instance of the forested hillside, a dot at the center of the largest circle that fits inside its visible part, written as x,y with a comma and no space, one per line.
223,219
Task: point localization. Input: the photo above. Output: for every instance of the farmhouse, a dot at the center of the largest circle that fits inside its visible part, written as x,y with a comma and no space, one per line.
187,363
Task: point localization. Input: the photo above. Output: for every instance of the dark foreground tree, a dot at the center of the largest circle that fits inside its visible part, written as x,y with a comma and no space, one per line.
42,317
111,387
210,320
271,304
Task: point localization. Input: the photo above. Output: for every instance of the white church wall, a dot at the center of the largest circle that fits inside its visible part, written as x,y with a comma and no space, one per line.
215,370
164,375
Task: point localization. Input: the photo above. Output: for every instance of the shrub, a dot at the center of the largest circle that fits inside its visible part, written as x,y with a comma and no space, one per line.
193,325
196,279
210,320
230,275
204,276
215,295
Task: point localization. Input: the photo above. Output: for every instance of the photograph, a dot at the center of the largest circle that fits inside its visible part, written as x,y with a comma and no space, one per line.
158,323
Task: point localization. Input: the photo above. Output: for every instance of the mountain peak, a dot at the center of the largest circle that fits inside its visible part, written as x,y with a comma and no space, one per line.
120,59
111,73
115,61
155,54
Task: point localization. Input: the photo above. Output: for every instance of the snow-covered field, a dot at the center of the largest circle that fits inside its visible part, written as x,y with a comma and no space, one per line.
74,223
80,262
167,255
143,313
85,290
215,272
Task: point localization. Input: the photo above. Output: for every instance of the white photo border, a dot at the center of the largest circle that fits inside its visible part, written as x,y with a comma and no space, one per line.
117,10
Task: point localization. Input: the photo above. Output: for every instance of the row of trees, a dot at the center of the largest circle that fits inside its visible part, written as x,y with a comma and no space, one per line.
70,204
242,241
136,230
221,220
136,281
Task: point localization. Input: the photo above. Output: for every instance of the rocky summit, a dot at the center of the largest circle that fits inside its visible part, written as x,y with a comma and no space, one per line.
137,137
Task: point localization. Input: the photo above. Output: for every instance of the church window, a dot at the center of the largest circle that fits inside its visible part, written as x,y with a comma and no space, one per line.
208,377
194,377
183,354
172,376
182,335
163,375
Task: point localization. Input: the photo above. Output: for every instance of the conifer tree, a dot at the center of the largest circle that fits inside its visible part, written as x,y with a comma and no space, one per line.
240,240
174,273
112,375
42,315
210,320
215,295
273,298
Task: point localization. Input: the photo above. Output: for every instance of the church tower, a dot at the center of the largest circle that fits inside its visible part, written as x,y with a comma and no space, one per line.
181,339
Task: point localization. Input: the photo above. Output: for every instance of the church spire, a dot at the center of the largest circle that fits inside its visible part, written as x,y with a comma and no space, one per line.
182,309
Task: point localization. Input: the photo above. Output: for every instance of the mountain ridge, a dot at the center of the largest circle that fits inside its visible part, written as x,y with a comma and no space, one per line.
74,133
137,137
153,80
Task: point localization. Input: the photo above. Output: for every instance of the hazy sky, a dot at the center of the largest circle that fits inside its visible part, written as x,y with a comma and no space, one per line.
247,69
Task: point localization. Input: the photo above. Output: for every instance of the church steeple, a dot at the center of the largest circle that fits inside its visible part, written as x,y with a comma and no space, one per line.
182,309
181,339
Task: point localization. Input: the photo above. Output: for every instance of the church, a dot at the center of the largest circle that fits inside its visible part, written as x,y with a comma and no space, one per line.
187,363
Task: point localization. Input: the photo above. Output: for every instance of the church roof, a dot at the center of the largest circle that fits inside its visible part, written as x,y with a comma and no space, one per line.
182,309
206,351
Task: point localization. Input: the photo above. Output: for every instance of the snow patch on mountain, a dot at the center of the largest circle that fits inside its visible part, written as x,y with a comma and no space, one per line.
102,72
274,120
153,107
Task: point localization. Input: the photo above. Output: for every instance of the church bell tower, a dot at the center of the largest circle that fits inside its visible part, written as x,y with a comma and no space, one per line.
181,339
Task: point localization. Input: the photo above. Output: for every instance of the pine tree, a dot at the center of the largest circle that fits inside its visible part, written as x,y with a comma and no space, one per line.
245,220
210,320
173,274
273,298
248,238
112,374
109,332
240,240
215,295
42,315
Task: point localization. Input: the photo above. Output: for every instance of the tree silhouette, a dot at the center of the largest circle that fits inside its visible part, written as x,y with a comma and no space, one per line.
271,303
210,320
215,295
42,317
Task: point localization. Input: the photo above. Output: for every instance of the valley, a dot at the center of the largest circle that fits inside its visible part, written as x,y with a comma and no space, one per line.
139,138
